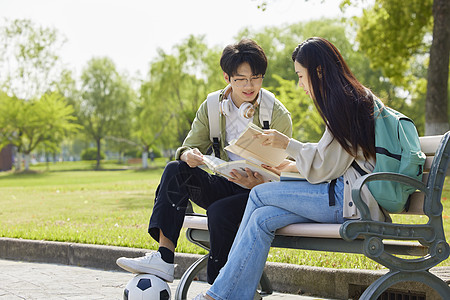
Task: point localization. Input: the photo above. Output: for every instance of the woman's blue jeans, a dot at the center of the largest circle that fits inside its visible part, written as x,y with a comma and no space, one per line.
270,207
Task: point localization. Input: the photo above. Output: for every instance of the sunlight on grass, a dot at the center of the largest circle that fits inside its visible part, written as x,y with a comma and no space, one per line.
71,202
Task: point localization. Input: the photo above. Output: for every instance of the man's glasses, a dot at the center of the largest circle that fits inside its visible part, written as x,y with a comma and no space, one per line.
254,81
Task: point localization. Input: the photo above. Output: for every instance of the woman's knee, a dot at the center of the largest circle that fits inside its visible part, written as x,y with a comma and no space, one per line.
257,192
270,218
260,218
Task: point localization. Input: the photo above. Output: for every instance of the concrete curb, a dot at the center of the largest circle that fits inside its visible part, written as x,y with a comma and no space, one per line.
285,278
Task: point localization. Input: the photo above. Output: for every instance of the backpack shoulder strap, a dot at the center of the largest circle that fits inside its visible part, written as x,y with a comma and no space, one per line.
212,102
266,108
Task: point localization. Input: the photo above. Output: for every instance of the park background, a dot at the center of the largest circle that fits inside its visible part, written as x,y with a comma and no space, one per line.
90,138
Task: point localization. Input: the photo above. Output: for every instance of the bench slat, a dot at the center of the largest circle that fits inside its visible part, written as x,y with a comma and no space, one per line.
429,144
196,222
312,234
303,229
428,163
321,230
416,204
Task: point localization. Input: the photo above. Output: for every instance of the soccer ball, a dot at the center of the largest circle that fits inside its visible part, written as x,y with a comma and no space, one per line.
146,287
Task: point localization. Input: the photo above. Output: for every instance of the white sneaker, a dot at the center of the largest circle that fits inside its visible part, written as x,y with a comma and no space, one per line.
151,263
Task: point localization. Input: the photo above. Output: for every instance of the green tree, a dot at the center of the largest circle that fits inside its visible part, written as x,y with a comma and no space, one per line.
104,104
437,108
403,38
279,43
307,125
28,124
399,37
148,131
178,84
120,138
10,108
29,58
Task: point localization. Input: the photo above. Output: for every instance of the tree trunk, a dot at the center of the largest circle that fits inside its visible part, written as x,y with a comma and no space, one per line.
18,161
99,143
145,158
27,161
436,114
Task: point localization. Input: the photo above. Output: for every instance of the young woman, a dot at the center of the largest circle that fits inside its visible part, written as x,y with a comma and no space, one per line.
346,107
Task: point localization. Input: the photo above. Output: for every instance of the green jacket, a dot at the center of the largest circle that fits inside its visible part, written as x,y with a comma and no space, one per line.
198,136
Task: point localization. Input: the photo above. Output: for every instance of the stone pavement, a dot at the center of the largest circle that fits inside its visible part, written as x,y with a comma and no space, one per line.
61,270
31,280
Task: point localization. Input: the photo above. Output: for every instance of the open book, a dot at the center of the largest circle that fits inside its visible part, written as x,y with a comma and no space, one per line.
249,148
291,176
224,168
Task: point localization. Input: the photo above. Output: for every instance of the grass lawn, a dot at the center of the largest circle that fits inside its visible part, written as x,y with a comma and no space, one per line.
71,202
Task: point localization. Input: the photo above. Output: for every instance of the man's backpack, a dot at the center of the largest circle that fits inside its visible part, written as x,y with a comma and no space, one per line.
397,150
265,114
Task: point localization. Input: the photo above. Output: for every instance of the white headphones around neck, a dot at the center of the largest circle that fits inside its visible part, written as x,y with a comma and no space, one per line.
246,110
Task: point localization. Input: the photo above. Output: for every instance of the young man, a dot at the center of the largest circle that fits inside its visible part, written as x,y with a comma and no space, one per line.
242,101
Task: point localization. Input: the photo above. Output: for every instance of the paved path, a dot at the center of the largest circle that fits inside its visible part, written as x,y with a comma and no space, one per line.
29,280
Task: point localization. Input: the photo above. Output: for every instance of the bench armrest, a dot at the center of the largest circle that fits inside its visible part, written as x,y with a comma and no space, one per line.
387,176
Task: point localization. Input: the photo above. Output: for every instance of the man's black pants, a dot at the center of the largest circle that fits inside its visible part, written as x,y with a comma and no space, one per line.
224,201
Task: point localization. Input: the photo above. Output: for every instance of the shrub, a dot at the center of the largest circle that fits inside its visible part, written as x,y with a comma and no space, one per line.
137,153
91,154
156,152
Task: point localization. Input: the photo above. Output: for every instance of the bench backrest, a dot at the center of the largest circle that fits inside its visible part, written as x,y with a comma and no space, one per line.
429,145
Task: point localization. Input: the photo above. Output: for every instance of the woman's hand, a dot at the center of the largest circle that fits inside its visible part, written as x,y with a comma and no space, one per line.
192,157
249,180
273,138
285,166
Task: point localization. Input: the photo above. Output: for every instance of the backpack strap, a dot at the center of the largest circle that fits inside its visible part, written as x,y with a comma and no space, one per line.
331,197
358,168
266,108
213,115
212,103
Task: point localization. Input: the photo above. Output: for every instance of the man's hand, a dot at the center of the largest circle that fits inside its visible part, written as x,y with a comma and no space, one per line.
249,180
192,157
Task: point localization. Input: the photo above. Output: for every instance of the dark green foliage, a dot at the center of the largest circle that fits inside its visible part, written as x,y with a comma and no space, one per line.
91,154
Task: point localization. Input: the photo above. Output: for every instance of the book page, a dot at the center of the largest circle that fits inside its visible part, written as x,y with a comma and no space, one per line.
240,165
291,176
212,162
224,168
249,147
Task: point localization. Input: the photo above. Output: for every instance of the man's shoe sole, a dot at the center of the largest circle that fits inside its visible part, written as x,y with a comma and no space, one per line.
145,270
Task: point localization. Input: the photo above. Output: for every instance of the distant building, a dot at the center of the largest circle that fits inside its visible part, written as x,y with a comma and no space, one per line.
6,158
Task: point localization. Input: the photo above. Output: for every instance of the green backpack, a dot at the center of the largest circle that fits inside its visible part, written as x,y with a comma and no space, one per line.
398,150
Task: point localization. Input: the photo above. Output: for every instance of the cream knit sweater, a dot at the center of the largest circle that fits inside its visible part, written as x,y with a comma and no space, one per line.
327,160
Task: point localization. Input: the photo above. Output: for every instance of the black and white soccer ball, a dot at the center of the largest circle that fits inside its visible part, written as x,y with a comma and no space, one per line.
146,287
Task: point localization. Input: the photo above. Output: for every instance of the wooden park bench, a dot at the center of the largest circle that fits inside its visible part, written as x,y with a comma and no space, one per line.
382,242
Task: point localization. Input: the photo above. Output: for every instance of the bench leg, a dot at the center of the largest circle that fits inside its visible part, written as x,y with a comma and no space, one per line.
185,282
188,277
384,282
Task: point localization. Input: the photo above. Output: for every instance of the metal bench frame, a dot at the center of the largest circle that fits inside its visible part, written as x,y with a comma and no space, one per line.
379,241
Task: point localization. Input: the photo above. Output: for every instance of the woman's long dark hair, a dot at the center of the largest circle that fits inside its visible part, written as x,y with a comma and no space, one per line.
344,104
